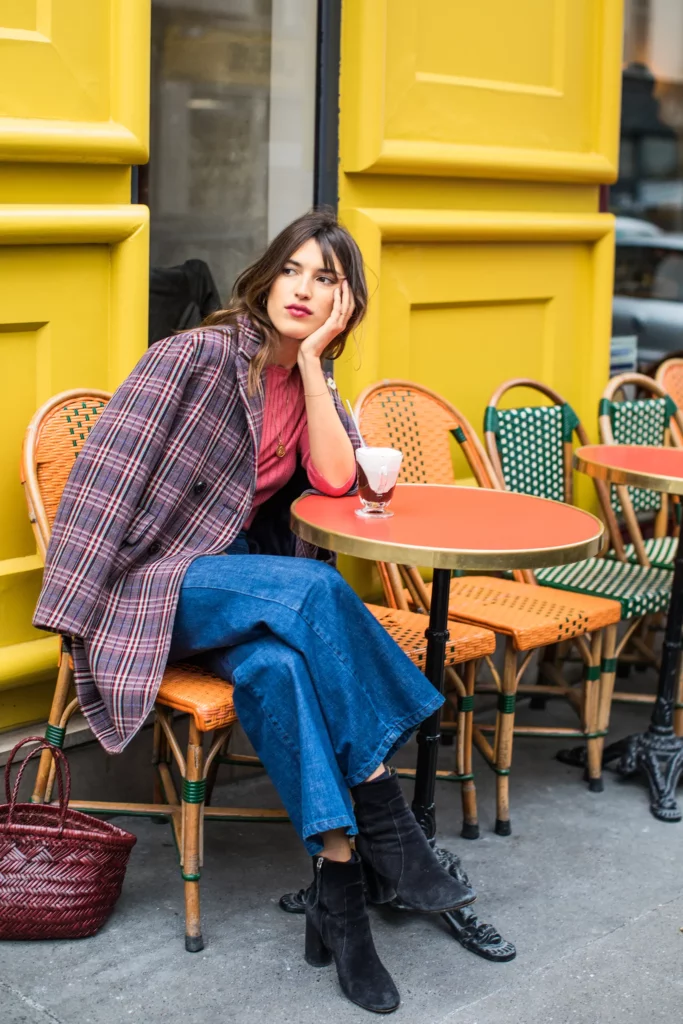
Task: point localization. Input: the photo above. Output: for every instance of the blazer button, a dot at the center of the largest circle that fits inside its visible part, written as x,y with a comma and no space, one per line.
200,487
154,548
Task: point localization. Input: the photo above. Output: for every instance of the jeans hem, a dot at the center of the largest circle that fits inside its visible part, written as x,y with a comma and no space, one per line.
318,827
394,738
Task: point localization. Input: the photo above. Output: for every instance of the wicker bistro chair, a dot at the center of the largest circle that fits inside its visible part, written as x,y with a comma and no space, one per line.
531,449
53,439
405,415
669,376
646,421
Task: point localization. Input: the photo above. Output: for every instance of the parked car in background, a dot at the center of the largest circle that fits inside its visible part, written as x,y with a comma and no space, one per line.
634,227
648,293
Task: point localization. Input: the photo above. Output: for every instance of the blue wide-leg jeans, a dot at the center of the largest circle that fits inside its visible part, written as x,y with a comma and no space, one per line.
322,691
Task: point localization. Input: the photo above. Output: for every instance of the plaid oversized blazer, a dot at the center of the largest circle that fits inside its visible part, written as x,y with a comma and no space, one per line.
167,474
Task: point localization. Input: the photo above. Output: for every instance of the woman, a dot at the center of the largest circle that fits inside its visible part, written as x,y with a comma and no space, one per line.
172,542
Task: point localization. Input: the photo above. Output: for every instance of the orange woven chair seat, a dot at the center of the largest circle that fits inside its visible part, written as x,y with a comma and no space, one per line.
466,643
531,615
207,698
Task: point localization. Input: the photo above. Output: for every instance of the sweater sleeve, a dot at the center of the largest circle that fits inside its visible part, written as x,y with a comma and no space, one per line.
315,478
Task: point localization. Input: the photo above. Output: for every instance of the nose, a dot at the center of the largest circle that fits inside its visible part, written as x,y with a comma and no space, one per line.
304,287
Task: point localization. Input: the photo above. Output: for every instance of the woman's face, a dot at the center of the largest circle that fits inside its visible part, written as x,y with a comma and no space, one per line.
301,296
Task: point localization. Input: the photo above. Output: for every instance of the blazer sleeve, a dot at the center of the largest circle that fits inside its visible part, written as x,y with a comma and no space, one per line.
107,481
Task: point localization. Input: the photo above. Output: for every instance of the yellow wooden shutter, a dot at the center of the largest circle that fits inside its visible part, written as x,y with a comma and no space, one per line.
473,139
74,88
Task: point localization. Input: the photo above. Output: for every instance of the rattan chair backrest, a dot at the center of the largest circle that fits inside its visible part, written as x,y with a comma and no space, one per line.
531,445
670,377
639,421
53,439
404,415
531,448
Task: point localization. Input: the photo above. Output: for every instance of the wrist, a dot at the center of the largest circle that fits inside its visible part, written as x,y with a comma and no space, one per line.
306,355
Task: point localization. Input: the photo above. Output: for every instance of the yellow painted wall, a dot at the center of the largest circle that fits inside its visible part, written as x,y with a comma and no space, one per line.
473,139
74,97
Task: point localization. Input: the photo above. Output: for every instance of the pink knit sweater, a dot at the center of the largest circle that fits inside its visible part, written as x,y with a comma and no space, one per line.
284,417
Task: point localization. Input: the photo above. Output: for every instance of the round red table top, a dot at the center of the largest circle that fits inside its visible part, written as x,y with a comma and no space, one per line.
654,468
452,528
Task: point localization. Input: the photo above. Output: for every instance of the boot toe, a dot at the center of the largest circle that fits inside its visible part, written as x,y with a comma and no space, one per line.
377,995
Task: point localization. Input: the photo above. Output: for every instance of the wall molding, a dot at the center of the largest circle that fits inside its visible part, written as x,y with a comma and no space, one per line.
69,224
425,225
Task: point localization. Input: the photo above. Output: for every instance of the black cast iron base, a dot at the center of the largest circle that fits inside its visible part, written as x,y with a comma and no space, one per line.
479,938
658,753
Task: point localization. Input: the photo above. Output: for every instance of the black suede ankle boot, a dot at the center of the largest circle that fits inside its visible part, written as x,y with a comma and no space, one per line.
397,859
338,928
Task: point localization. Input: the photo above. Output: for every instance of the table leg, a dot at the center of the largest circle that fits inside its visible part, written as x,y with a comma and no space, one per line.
428,734
659,752
482,939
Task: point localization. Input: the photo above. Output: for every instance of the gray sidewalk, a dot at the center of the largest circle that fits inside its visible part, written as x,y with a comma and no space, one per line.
589,887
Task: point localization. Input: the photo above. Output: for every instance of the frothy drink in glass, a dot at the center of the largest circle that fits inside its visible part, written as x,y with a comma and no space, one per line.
377,475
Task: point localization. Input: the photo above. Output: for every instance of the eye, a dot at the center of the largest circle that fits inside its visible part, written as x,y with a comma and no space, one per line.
288,271
327,280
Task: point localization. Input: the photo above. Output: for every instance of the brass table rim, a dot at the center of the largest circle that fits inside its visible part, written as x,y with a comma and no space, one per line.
631,477
473,559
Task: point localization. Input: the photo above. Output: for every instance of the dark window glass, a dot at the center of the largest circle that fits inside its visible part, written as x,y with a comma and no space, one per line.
649,273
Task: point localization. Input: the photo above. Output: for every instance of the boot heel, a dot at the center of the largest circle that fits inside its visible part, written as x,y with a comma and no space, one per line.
378,889
316,952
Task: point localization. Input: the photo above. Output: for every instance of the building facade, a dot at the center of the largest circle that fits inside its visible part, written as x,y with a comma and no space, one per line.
467,158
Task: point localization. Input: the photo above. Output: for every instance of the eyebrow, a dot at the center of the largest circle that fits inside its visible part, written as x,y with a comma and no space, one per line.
320,270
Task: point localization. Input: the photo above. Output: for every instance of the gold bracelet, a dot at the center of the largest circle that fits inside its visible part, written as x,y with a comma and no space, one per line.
319,395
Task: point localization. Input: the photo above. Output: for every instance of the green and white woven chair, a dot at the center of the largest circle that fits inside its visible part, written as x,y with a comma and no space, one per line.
643,421
531,450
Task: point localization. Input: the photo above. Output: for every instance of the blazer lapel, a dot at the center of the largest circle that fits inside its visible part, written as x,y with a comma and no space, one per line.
248,343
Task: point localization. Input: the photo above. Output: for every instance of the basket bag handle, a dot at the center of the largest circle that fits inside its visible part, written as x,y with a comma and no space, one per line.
62,772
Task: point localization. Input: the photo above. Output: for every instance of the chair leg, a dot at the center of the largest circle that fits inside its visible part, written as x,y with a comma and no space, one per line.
549,655
159,756
212,774
194,786
53,731
470,820
607,679
591,698
505,726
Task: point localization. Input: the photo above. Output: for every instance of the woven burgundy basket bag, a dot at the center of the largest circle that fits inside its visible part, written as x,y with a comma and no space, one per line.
61,871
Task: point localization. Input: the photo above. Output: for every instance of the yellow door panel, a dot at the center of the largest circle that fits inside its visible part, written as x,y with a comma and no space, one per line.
463,318
468,89
74,115
73,313
55,64
473,138
74,80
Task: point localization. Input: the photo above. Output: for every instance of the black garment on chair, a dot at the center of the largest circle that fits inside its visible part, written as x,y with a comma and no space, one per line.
180,298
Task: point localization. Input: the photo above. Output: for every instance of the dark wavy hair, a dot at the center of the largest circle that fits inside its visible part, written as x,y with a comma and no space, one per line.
250,291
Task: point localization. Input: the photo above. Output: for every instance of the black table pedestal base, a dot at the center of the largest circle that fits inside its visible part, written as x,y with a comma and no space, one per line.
659,755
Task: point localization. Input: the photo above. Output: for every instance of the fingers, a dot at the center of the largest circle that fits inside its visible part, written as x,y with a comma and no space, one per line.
337,304
348,302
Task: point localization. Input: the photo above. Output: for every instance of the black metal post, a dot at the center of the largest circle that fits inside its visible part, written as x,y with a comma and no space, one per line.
428,735
659,752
